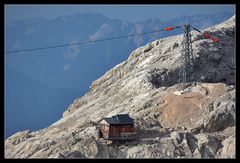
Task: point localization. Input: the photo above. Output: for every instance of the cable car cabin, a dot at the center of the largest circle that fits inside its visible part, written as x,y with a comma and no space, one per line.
118,127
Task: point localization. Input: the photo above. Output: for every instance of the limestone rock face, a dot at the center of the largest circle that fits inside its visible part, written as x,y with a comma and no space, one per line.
229,147
197,124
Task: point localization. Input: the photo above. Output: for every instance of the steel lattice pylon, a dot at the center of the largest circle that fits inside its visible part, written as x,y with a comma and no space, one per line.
187,69
186,73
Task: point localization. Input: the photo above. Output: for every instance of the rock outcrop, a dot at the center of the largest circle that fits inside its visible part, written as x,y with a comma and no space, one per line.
197,124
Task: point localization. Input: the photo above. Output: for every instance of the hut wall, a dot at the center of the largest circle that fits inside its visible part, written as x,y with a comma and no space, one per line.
105,130
116,130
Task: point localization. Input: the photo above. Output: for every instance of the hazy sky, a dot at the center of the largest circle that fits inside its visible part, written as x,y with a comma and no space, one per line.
130,13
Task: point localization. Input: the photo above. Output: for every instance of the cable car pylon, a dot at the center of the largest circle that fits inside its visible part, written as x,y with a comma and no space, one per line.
186,72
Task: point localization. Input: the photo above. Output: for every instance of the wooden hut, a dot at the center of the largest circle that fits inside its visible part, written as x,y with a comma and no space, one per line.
118,127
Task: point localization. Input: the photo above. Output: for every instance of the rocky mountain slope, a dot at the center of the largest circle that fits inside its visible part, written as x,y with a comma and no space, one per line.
199,123
65,67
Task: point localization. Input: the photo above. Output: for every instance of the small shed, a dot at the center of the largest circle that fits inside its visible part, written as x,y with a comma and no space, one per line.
118,127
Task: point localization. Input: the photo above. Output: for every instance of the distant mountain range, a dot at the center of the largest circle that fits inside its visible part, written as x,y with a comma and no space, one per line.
35,79
31,104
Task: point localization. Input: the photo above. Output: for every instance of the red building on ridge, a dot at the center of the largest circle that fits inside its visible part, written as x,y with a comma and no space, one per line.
118,127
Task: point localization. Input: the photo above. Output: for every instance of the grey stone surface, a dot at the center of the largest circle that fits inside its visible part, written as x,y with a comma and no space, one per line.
197,124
